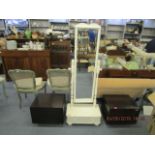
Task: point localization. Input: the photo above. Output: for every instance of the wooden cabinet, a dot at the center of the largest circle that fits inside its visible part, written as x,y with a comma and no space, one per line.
18,61
60,54
60,59
38,61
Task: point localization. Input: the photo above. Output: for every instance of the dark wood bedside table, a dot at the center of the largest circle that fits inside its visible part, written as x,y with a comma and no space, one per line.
48,109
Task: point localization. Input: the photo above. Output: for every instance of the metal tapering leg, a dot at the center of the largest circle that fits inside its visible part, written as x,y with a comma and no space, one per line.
35,94
25,95
20,100
45,89
4,90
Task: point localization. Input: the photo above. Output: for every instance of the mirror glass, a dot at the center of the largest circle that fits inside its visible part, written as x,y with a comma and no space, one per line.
86,47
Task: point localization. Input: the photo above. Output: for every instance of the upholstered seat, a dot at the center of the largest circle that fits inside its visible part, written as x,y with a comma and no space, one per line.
23,83
83,61
2,79
26,83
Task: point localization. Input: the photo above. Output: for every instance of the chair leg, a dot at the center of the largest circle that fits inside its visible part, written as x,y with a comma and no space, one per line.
4,90
53,92
35,94
68,98
25,95
20,100
45,89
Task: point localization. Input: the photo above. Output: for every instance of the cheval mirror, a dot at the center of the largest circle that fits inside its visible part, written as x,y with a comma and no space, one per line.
85,69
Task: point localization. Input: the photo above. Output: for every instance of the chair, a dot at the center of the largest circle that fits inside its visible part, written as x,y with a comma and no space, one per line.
2,81
26,82
59,80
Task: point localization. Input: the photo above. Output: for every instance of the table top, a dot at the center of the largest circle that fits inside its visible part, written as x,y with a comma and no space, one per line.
49,101
117,73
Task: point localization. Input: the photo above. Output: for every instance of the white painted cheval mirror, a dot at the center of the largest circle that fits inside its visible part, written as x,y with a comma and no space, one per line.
85,65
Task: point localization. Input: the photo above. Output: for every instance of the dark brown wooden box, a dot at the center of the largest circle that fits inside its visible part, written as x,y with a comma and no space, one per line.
118,109
48,108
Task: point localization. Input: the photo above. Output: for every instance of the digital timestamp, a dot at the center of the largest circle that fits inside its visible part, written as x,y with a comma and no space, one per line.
124,118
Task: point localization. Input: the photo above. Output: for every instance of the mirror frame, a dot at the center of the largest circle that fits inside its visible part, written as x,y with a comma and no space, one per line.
95,77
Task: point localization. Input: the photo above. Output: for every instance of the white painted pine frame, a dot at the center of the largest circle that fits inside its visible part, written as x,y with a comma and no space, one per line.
92,100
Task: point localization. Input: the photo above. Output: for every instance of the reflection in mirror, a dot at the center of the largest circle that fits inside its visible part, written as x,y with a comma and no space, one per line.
85,62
